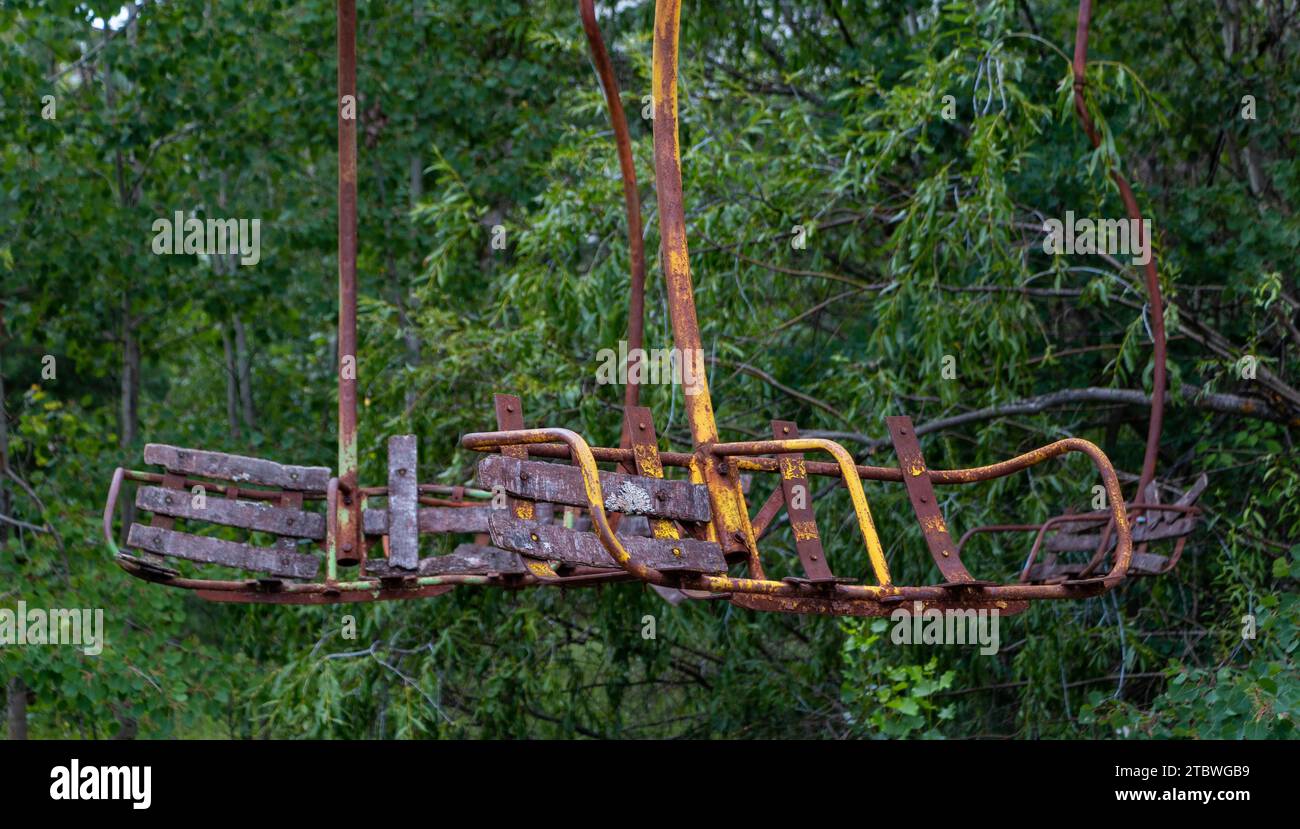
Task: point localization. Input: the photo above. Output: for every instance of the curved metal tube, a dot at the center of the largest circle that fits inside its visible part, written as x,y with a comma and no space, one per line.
110,506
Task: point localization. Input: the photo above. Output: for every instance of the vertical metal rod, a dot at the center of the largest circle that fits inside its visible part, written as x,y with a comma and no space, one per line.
730,523
349,508
1154,299
631,200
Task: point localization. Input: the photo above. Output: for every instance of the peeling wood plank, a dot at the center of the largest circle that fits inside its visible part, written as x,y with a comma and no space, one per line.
433,520
238,468
218,551
251,515
628,494
552,542
467,559
403,494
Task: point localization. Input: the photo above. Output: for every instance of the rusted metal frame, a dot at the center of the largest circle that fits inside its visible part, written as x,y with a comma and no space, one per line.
885,474
797,495
631,200
767,513
1092,517
582,458
920,492
510,415
1152,280
349,538
730,523
1007,592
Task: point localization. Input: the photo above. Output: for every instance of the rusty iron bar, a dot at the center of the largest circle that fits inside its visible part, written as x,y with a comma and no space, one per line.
348,540
631,200
1154,297
730,526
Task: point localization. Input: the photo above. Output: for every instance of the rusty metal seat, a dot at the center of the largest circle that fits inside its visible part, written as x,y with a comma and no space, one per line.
553,552
397,527
1091,532
214,488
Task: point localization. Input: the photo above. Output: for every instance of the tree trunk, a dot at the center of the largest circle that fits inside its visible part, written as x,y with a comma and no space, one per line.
17,714
242,361
232,393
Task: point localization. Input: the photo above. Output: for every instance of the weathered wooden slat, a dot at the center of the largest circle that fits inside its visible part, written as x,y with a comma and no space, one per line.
251,515
467,559
238,468
552,542
403,528
629,494
433,520
217,551
1087,542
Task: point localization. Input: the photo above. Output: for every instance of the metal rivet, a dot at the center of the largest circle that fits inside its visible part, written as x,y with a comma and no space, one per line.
167,500
293,476
534,537
785,430
641,426
510,408
401,472
677,551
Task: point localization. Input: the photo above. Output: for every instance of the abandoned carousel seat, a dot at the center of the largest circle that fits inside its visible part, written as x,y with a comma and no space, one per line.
676,513
198,487
1092,533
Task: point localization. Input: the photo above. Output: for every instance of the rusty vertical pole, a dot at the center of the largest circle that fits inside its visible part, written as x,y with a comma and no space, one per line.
730,519
1155,301
631,200
349,506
